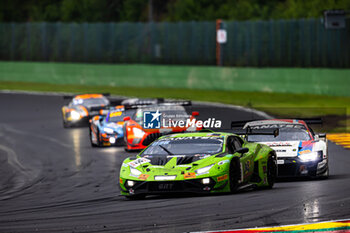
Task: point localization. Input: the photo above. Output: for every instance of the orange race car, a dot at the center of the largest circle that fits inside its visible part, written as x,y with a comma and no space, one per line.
82,107
147,123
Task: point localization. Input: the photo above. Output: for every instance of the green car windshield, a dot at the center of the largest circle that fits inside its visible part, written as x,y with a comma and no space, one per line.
184,146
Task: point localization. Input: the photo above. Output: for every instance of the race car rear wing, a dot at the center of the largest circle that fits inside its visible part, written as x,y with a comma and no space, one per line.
312,120
141,102
98,108
177,102
159,101
309,121
249,131
241,124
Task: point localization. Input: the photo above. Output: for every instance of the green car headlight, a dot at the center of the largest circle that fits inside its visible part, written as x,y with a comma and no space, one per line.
135,172
204,170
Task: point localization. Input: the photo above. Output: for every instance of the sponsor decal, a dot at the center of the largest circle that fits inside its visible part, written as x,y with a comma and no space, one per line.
222,178
305,147
189,138
143,176
201,156
115,114
280,151
304,152
189,175
223,162
247,166
275,144
165,186
271,126
280,161
138,162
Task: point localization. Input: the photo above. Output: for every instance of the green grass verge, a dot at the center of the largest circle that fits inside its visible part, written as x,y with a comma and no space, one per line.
334,82
301,104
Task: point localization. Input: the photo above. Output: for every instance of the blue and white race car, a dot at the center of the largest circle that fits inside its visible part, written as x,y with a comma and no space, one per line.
107,130
300,152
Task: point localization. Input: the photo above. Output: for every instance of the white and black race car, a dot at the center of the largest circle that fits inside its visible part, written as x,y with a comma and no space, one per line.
300,152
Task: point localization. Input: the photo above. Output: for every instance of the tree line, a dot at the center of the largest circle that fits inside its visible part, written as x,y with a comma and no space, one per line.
162,10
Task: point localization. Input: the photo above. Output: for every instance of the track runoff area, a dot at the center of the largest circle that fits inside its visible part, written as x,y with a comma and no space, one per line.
341,139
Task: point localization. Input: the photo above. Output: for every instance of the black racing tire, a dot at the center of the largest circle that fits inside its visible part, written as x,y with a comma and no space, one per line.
66,124
125,138
126,149
326,175
271,171
90,133
234,174
99,140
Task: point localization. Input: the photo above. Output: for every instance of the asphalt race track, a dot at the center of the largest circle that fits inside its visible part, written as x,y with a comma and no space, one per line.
52,180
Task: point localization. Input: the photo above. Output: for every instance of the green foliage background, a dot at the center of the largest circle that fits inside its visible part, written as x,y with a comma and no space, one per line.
163,10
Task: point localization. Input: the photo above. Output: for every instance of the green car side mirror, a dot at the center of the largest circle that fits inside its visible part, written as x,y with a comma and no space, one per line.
242,151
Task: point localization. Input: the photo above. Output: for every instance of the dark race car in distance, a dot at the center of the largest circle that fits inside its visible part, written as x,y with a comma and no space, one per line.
82,107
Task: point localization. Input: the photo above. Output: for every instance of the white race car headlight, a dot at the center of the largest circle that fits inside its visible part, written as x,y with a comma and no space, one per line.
75,115
204,170
108,130
135,172
138,132
308,157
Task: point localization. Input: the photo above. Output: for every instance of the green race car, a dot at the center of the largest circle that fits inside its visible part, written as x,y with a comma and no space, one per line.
202,162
